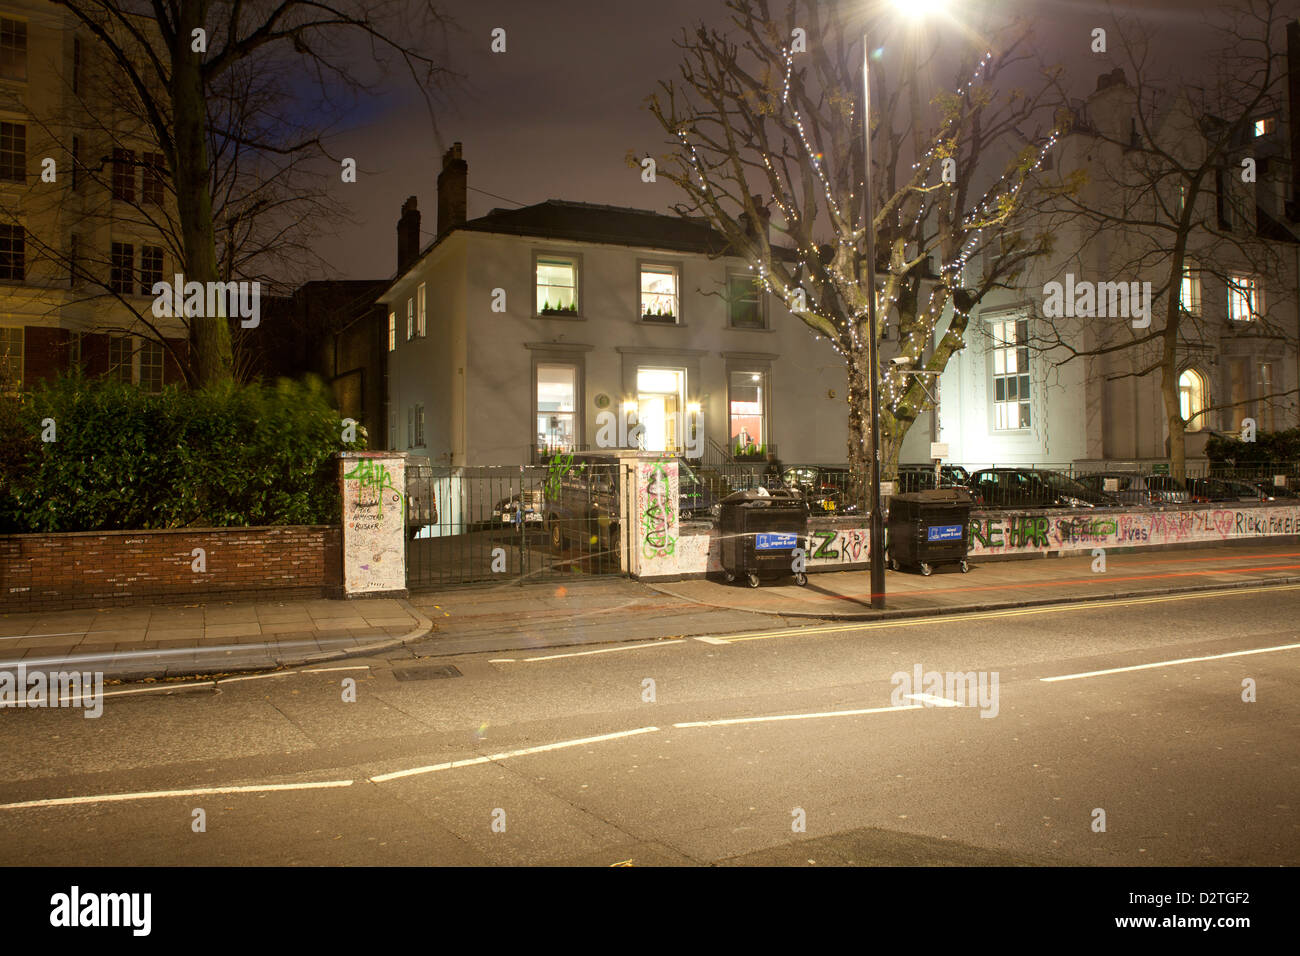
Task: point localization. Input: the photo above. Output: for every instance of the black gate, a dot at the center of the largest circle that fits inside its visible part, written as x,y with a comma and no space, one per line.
511,524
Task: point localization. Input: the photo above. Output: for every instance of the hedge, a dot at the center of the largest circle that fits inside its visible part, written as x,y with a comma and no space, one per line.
124,459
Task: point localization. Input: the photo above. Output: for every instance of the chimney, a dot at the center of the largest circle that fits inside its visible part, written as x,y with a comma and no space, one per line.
452,184
408,235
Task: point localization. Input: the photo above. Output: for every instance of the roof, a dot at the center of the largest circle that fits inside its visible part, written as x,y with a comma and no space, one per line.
609,225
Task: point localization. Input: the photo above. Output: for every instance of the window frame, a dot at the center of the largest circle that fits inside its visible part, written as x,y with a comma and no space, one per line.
1190,288
17,236
1203,387
1254,299
146,287
115,283
575,416
392,332
141,346
152,187
5,362
122,178
572,258
760,302
421,302
1004,349
17,153
659,266
7,23
410,318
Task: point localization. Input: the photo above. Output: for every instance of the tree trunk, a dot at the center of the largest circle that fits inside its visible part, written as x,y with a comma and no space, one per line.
1174,416
210,348
859,438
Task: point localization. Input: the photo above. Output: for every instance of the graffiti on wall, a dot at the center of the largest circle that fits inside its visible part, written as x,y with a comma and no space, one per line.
374,520
1023,533
373,480
845,546
658,486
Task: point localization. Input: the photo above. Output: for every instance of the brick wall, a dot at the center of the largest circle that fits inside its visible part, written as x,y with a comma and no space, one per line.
99,569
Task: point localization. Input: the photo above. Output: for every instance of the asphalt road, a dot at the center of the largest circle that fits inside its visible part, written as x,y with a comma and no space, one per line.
1185,771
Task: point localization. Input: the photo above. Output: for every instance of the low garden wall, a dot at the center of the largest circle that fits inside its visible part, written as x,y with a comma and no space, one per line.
836,544
105,568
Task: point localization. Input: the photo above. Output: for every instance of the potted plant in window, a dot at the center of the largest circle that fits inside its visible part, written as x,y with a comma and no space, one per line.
749,452
559,309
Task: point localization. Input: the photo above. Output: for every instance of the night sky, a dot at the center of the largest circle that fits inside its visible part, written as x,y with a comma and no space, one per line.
555,116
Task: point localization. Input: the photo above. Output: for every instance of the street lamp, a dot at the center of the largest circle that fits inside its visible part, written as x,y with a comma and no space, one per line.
913,8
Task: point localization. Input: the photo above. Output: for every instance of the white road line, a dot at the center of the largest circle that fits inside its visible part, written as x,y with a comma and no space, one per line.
604,650
288,673
381,778
932,700
156,794
501,660
153,689
1181,660
712,640
19,637
829,713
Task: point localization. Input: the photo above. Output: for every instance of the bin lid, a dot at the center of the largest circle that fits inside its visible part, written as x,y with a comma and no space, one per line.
780,496
936,496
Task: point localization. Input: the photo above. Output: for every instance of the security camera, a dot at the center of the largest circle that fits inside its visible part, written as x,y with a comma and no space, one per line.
900,360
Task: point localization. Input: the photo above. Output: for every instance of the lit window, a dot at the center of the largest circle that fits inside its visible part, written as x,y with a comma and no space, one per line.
556,407
121,266
557,286
659,294
1243,298
410,319
745,409
11,359
744,307
1265,126
419,311
151,366
151,268
13,49
1011,374
660,402
1189,293
1191,399
392,331
13,253
13,152
124,175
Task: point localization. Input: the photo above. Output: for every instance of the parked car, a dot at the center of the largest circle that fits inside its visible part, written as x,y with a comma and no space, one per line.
1274,492
825,488
1134,488
1028,488
921,478
524,509
1222,489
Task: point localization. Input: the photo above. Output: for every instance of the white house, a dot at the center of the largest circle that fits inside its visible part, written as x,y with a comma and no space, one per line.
510,334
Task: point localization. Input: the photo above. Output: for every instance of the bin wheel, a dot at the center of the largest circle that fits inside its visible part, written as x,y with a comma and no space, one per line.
731,578
965,566
926,569
753,579
800,578
893,564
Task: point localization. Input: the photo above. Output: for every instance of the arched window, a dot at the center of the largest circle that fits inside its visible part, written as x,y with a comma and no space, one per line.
1192,399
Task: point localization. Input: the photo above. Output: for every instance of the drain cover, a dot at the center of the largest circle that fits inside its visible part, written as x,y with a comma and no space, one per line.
426,672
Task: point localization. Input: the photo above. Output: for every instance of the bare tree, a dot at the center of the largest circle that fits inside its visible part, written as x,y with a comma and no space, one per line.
754,116
1162,188
179,56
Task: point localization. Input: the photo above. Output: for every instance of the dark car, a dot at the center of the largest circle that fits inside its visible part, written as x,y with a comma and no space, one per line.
826,489
1029,488
1272,492
1222,489
921,478
1134,488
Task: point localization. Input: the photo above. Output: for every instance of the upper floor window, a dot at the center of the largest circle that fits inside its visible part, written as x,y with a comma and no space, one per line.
659,293
11,359
1189,292
13,49
151,182
420,311
1265,126
124,174
744,306
557,286
410,319
1244,298
1011,374
13,152
121,268
13,253
392,331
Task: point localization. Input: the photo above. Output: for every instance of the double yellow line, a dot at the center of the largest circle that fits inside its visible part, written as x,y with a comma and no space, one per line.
992,615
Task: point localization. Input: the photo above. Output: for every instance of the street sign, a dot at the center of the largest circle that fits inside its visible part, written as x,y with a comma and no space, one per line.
938,449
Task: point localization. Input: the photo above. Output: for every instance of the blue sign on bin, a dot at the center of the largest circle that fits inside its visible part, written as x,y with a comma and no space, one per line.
945,532
776,542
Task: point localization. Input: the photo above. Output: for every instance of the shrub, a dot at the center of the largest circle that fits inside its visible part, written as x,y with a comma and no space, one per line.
1268,447
127,459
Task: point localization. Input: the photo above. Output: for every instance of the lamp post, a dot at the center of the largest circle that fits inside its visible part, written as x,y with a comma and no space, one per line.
916,8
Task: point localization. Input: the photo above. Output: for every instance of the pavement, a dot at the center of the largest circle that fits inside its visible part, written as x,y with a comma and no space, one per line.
174,641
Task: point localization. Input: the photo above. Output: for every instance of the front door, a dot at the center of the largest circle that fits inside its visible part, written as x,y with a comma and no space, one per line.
660,398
